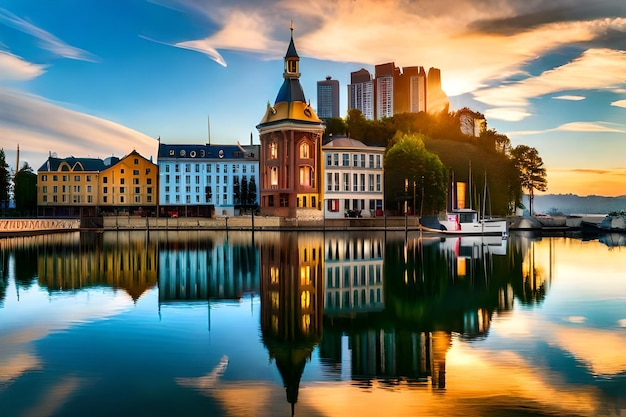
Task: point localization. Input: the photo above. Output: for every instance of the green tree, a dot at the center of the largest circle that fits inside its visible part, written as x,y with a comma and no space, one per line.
411,172
357,124
334,126
244,192
251,192
5,177
25,191
532,173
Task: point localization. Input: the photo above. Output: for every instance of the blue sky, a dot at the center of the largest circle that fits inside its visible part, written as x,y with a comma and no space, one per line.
102,78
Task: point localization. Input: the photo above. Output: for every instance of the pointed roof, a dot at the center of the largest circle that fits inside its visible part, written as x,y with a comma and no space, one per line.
291,50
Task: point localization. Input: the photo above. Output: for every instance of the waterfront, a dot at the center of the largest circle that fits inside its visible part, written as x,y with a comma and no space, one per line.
332,324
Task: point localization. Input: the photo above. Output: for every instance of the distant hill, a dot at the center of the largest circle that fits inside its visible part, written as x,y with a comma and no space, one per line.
572,203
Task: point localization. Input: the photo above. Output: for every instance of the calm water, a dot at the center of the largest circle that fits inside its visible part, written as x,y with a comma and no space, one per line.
362,324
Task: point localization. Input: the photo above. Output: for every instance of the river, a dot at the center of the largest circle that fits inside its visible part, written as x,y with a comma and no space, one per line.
198,323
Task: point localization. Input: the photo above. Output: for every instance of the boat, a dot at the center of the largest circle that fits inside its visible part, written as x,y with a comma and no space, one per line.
467,221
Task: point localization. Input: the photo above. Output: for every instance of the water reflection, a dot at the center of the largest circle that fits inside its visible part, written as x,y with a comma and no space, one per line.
349,316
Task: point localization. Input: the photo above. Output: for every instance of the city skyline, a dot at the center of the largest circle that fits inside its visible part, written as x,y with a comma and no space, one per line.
97,80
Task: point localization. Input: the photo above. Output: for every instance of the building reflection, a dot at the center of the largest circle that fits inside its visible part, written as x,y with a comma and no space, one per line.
291,302
196,266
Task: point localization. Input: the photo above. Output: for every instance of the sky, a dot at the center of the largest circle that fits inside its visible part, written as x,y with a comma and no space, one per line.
105,77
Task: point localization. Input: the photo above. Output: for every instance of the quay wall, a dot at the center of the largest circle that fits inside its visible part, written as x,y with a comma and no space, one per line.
38,225
256,223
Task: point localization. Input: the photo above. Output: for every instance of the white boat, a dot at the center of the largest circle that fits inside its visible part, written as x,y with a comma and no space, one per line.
467,221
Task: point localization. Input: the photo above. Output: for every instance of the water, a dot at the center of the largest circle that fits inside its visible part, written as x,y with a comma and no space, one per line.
360,324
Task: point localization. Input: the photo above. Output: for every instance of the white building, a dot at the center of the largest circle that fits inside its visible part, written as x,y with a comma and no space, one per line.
361,93
207,180
353,176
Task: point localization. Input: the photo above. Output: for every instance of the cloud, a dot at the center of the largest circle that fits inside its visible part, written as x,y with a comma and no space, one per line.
594,127
39,126
619,103
48,41
570,98
14,68
594,69
508,114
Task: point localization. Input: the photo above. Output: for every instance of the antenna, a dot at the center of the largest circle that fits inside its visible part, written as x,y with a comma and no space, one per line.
208,118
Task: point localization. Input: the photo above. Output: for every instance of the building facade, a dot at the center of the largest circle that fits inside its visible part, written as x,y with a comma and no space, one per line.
291,141
354,179
207,180
129,186
361,93
328,98
68,187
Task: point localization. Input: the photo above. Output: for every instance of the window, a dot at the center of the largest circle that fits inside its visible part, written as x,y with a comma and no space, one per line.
243,168
187,199
121,180
56,178
136,161
45,188
371,182
197,167
274,177
187,179
135,172
122,190
187,189
217,168
167,178
208,168
329,181
346,182
63,189
362,160
55,189
77,188
149,190
355,160
333,205
346,159
377,182
187,168
44,178
371,158
121,199
235,168
135,181
76,178
104,199
149,181
167,168
336,159
252,169
355,182
337,185
377,161
45,198
176,168
66,178
177,179
122,170
137,199
273,150
305,176
137,190
304,151
167,189
197,179
167,199
329,160
362,182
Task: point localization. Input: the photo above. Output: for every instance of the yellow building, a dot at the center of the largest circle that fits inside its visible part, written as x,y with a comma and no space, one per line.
68,187
129,186
86,187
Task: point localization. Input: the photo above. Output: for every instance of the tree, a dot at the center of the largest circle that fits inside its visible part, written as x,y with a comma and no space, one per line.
5,177
531,171
251,192
334,126
357,124
244,192
25,191
411,172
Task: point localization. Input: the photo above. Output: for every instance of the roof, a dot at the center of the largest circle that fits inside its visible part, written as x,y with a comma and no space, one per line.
291,90
291,50
345,142
204,152
52,164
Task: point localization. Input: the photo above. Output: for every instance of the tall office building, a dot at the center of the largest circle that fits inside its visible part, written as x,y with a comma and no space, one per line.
328,98
361,93
436,100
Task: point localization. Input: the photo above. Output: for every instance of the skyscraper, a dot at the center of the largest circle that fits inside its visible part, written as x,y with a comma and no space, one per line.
328,98
384,82
361,93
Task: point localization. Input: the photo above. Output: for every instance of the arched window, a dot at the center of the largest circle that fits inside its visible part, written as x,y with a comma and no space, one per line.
305,151
274,176
305,176
273,150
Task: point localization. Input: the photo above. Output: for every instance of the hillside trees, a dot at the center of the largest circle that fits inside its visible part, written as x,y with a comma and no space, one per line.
409,169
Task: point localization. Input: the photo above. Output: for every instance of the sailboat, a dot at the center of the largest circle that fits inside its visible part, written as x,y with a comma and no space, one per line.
467,221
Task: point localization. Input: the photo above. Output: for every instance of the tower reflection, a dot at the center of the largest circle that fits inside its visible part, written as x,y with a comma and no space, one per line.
291,302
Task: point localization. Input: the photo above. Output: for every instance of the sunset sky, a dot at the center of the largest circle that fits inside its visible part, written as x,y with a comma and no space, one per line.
102,78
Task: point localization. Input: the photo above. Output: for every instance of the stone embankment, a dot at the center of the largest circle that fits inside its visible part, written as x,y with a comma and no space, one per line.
35,226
